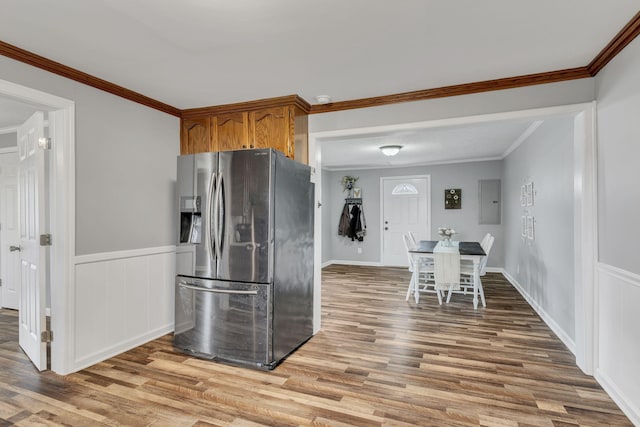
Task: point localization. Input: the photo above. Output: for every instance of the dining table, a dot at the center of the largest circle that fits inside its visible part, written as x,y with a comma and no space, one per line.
471,251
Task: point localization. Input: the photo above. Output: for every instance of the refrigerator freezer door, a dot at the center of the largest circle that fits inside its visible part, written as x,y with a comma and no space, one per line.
246,216
224,320
197,181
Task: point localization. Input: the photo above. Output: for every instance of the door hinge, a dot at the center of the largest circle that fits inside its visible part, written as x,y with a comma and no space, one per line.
44,143
46,336
45,240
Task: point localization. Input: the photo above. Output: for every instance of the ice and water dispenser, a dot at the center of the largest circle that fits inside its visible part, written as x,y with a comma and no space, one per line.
190,220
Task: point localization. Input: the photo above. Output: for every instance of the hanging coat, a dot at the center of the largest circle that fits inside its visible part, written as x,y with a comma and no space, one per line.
357,226
343,225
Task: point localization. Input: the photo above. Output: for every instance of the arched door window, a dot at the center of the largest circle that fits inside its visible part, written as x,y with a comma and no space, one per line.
404,190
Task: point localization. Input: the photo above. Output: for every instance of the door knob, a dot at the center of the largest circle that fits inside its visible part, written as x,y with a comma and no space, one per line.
14,248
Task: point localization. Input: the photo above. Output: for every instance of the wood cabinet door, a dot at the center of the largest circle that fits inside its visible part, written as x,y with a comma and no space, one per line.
272,128
195,136
230,131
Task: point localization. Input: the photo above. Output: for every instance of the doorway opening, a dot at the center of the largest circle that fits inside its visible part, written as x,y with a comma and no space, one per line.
60,218
585,222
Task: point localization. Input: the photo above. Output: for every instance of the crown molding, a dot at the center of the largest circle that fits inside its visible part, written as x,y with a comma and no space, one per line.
619,42
54,67
247,106
455,90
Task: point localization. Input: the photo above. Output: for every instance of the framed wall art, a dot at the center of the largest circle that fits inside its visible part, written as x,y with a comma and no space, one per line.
453,198
529,193
530,225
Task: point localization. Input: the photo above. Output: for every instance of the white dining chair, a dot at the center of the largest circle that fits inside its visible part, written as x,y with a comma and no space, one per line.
421,275
426,262
466,274
412,239
486,243
485,240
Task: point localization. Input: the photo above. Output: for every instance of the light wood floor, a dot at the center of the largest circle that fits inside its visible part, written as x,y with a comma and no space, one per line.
377,361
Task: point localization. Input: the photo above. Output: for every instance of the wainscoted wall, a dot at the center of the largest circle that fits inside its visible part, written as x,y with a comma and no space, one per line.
618,321
618,340
121,300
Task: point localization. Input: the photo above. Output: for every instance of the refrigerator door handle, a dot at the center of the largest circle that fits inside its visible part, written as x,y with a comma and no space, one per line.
217,291
216,217
221,206
211,217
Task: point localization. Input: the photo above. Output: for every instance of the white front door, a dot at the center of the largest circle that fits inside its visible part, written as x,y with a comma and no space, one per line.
31,223
405,207
9,236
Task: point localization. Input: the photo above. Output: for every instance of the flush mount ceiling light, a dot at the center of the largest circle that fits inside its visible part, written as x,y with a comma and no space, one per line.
323,99
390,150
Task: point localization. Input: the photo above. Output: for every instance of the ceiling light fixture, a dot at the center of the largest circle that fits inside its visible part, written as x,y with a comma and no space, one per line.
390,150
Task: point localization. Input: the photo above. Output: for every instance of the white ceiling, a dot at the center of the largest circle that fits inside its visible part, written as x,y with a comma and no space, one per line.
195,53
423,145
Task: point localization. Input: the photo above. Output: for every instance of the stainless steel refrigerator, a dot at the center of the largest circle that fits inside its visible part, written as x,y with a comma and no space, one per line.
244,289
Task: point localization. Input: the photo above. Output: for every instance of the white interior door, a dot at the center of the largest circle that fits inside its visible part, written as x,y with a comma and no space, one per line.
31,223
405,207
9,235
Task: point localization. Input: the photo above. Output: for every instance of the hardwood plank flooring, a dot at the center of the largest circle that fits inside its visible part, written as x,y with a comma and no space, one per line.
378,360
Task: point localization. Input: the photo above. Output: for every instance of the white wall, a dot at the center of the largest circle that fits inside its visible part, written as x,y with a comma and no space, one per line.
125,164
125,176
618,294
542,268
8,140
465,220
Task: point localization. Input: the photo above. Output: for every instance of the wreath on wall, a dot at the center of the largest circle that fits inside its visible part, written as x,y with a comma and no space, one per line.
347,182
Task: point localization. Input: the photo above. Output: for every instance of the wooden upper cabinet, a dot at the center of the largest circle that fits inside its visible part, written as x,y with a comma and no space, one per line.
280,123
195,136
272,128
230,131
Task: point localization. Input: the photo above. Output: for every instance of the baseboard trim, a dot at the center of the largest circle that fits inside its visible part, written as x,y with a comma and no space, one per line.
495,270
560,333
120,348
630,410
349,262
110,256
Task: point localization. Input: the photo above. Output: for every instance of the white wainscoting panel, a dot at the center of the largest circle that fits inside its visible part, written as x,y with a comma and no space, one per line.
122,300
618,342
